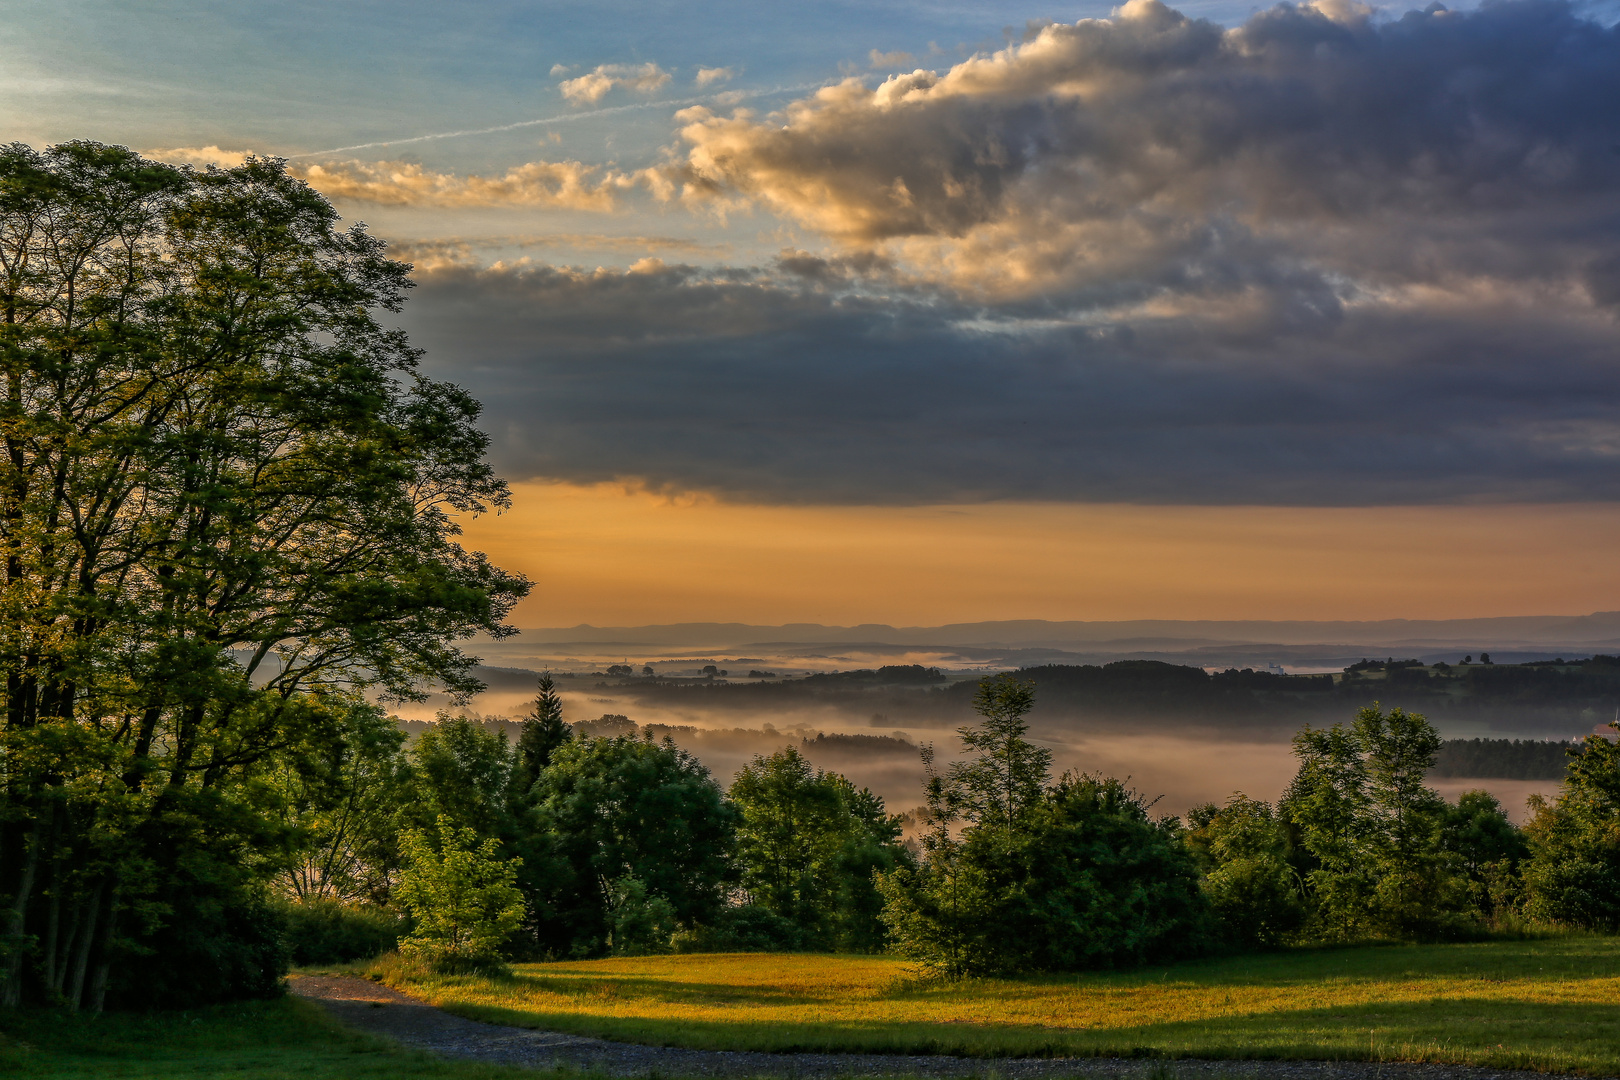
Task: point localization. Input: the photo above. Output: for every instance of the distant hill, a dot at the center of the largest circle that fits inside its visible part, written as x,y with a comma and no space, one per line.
1597,631
1559,698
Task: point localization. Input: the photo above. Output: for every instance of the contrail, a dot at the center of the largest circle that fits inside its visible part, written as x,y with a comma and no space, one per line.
565,118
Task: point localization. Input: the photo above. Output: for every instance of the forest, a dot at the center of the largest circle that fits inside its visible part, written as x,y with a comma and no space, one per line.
1559,699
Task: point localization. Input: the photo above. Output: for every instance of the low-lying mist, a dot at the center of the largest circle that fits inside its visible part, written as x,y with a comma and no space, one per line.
1171,764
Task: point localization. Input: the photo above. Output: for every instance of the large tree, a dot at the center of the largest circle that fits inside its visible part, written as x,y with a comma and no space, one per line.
1374,830
227,505
627,822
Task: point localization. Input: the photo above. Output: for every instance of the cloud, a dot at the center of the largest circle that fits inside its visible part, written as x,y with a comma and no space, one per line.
1137,149
898,58
1321,258
593,86
707,76
568,185
200,155
434,253
804,382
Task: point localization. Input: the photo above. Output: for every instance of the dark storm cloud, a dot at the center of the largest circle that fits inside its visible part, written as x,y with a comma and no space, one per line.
758,388
1317,259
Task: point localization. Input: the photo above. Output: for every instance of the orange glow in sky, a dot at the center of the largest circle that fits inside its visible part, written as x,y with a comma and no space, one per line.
603,555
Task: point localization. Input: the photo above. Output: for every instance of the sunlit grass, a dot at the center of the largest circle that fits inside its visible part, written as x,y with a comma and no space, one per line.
1550,1004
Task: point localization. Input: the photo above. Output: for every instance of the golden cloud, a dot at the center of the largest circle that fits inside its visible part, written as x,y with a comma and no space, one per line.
568,185
200,155
593,86
563,185
1184,154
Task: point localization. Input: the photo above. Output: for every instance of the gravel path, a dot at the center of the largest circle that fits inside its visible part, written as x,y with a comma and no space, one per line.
380,1010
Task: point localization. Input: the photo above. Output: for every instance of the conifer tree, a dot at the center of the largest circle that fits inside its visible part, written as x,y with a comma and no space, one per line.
543,731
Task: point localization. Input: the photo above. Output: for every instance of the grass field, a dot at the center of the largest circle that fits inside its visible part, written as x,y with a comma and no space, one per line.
1551,1004
271,1040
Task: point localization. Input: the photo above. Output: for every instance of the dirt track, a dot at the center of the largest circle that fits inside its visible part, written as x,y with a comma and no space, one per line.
380,1010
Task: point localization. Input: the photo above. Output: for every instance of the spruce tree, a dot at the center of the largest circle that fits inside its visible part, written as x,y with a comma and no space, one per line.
543,732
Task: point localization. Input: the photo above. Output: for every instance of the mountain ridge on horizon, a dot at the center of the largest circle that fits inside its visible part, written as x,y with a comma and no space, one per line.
1594,629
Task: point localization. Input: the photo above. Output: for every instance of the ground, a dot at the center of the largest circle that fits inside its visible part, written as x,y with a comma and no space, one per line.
1369,1013
262,1040
1550,1004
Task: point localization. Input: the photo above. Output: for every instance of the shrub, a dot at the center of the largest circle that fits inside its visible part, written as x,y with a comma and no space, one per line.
461,896
745,928
642,924
215,946
1056,878
321,931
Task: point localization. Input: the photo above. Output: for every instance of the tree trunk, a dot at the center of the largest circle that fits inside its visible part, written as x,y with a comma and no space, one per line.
62,963
53,924
82,961
11,992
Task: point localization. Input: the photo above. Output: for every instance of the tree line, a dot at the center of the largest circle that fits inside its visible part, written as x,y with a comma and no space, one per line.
1564,698
1507,759
566,843
622,845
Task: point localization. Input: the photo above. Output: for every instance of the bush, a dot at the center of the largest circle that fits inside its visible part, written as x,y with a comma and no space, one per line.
745,928
642,924
1252,889
331,932
461,896
1042,877
214,947
1089,881
1106,886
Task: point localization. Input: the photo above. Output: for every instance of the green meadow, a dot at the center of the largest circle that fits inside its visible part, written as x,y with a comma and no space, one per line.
264,1040
1550,1004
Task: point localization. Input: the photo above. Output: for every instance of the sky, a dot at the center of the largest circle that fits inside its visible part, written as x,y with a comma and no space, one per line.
924,312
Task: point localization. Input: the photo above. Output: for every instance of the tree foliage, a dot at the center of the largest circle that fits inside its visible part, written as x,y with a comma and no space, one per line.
808,845
543,731
343,800
462,895
1021,875
225,503
1573,874
608,810
1374,830
1253,887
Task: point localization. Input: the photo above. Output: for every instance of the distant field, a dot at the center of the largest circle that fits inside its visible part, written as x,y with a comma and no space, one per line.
1551,1004
265,1040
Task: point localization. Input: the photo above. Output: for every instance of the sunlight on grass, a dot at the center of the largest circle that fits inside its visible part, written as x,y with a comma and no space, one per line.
1551,1004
